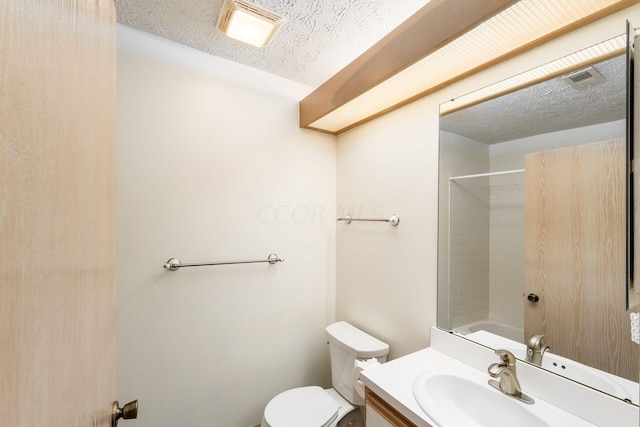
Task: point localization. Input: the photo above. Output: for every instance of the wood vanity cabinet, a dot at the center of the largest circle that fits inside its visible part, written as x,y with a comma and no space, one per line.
380,414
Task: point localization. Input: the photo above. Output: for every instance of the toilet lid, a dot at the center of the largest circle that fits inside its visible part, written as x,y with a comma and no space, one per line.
301,406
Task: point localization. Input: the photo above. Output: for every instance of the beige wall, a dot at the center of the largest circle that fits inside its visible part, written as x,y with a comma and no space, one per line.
212,166
386,275
386,278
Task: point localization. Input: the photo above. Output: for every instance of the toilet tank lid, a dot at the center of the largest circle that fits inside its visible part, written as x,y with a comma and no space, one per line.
356,341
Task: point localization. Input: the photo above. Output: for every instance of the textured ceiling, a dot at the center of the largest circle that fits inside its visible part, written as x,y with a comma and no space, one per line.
550,106
318,39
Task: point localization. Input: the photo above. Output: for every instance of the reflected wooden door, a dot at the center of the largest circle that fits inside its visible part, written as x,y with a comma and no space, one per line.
575,254
57,212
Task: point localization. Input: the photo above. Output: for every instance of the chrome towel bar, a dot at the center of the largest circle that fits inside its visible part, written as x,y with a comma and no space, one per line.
393,219
174,264
480,175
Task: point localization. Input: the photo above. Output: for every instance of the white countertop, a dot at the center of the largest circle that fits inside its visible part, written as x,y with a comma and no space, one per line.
393,382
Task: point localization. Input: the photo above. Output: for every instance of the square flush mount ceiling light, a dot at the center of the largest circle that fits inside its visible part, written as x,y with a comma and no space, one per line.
248,23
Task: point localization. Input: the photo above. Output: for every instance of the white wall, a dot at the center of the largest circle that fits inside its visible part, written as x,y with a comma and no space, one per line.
469,234
386,278
506,250
509,155
213,166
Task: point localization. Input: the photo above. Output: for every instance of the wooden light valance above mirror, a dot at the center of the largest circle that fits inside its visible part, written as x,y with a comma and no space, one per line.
444,42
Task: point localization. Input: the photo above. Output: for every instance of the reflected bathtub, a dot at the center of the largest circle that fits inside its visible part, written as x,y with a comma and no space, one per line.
496,328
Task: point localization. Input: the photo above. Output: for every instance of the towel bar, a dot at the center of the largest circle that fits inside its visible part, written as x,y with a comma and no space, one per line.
393,219
174,264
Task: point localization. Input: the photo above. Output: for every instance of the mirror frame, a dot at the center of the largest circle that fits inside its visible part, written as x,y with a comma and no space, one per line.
630,70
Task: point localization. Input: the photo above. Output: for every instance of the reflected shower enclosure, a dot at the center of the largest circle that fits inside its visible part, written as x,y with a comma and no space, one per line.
486,251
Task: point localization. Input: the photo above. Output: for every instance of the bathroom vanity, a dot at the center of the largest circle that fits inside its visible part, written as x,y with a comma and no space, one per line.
382,414
391,399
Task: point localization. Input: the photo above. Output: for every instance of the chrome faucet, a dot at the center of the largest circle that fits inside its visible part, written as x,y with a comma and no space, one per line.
535,349
505,371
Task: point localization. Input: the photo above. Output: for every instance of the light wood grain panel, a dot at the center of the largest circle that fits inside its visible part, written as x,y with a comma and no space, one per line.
57,212
575,254
436,24
386,411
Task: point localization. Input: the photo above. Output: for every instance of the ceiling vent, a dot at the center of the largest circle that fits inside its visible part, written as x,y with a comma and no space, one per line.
584,78
248,22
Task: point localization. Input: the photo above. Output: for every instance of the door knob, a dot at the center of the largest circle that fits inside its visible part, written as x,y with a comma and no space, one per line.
533,297
127,412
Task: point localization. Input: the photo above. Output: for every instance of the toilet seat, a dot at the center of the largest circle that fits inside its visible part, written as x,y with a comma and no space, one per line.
311,404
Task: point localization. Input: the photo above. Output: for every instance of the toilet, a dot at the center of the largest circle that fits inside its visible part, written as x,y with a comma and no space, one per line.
338,406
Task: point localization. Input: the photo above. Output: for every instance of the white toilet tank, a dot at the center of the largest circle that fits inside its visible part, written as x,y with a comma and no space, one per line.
346,344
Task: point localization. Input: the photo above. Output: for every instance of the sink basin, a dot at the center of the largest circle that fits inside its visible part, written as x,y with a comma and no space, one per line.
453,398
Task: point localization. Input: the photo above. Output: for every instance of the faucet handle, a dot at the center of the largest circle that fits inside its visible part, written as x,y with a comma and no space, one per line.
535,341
506,357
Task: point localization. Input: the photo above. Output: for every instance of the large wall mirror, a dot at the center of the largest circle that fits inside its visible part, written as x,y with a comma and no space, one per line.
533,219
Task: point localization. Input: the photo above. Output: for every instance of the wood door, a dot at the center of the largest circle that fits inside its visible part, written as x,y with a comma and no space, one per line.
57,212
575,254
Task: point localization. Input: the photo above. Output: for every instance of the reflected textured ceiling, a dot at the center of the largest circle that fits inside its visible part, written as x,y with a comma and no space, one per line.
550,106
319,38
